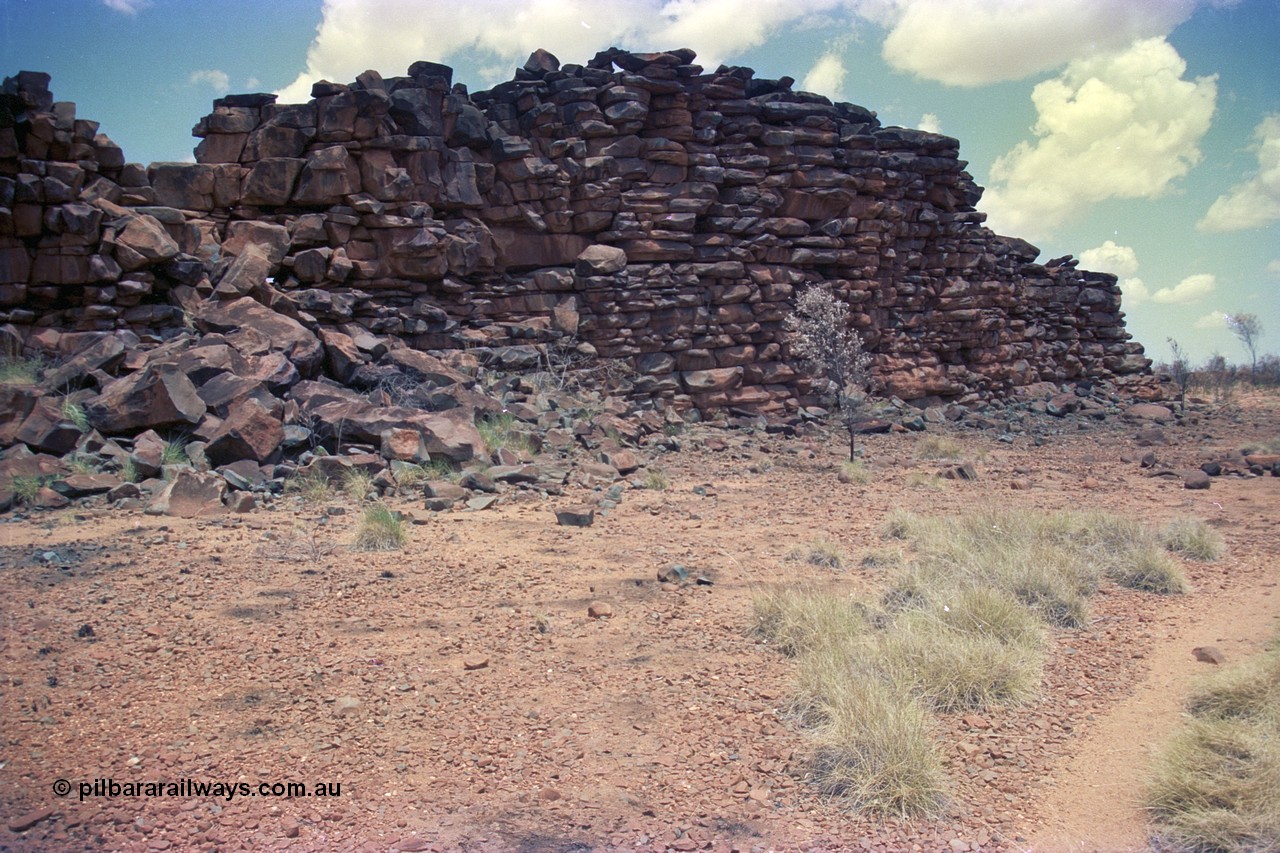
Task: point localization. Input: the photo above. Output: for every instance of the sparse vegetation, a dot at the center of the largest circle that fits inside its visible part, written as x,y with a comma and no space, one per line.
174,453
357,484
441,468
129,471
1193,539
855,472
499,432
1179,368
925,480
961,627
1214,785
19,370
656,479
25,487
939,447
1247,328
313,487
381,529
79,463
75,414
820,552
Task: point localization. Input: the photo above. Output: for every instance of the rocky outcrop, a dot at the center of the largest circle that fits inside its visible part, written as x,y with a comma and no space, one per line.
638,208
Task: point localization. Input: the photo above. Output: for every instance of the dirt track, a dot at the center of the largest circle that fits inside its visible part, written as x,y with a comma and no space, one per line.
465,700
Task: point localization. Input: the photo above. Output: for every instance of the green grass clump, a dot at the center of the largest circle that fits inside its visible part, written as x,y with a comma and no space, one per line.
381,529
174,452
938,447
25,487
499,432
1214,785
75,414
1193,539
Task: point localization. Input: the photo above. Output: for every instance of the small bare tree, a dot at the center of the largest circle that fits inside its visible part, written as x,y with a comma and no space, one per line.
1180,371
823,340
1248,328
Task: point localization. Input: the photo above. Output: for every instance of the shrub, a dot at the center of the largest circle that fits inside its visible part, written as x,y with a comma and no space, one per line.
925,480
441,468
1213,787
129,471
1194,539
381,529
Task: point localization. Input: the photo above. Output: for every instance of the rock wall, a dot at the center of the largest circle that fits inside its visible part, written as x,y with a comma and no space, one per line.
637,207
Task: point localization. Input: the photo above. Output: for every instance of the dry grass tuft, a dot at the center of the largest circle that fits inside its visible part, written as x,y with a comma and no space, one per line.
1193,539
938,447
1214,785
381,529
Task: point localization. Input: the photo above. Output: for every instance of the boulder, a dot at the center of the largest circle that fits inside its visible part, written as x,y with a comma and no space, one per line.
190,494
248,432
159,395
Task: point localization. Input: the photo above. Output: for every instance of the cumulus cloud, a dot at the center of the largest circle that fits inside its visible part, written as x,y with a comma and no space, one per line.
1255,202
1120,261
1193,288
391,34
826,77
217,80
930,123
1117,260
126,7
975,42
1212,320
1122,125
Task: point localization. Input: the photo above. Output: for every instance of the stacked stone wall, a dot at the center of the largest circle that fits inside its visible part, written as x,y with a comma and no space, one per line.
638,205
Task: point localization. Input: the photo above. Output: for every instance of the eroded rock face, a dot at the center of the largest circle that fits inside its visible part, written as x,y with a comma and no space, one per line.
639,206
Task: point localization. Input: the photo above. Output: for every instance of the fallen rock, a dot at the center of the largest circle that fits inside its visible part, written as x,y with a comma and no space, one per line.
1196,480
157,396
600,610
190,494
578,517
1209,654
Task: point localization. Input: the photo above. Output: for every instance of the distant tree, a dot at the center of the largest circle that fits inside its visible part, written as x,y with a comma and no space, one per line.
1180,371
823,340
1248,328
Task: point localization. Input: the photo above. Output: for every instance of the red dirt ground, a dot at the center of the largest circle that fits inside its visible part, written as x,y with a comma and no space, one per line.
462,697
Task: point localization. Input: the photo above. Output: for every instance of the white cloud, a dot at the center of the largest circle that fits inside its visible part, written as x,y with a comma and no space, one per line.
212,77
1274,268
1117,260
826,77
930,123
1193,288
1133,292
1212,320
1122,125
975,42
1255,202
126,7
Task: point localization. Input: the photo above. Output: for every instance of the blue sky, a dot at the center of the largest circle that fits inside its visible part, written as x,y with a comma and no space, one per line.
1142,136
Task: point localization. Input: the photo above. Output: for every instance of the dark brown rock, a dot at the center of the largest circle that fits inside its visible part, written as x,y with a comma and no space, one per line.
157,396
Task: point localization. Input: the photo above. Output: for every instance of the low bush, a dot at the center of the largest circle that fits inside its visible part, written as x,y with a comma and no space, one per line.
855,472
939,447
